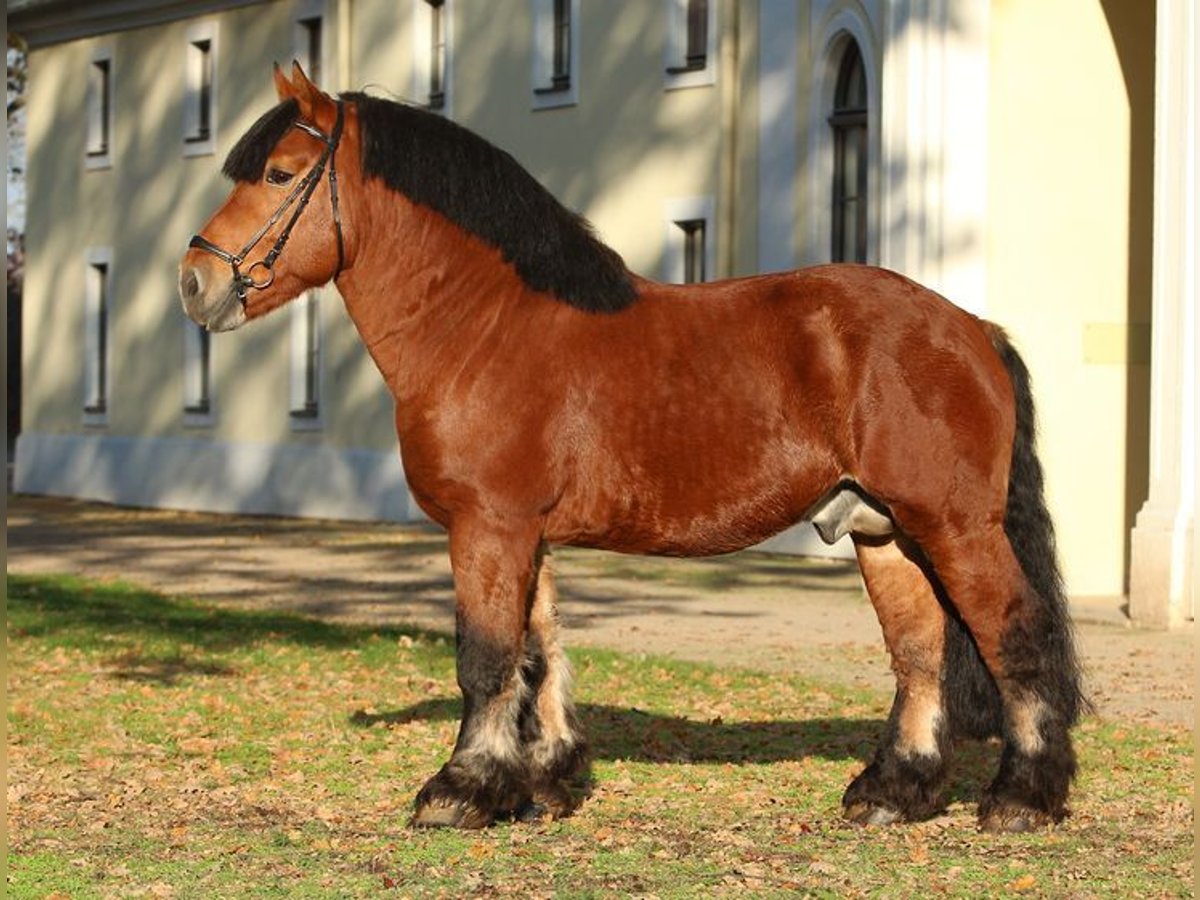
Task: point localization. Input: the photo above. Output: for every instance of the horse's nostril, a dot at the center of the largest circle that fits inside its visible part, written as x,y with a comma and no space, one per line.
189,284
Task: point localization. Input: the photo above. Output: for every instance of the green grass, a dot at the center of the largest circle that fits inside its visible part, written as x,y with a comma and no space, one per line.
161,748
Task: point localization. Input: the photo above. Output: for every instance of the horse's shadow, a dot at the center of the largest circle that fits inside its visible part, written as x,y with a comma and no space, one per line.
630,734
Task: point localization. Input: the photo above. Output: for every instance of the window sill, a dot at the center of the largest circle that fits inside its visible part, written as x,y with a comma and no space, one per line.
691,75
198,417
95,417
558,86
555,96
194,145
96,161
306,420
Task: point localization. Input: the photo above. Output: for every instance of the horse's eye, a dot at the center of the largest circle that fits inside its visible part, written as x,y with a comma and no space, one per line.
278,177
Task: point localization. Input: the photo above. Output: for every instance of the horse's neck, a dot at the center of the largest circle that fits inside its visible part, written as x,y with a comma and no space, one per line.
421,291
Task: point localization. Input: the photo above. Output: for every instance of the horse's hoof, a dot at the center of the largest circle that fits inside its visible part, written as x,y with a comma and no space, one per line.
863,813
555,800
449,813
442,804
1011,819
531,811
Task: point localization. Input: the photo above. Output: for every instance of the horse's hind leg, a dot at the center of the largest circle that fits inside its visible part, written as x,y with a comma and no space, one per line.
487,775
1024,638
553,742
902,780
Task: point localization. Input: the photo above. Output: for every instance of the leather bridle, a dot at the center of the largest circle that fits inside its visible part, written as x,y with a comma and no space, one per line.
299,195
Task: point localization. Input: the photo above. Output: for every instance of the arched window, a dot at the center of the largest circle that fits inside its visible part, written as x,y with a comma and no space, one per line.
849,123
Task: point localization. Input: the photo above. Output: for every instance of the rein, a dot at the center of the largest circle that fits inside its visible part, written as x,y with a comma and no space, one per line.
302,192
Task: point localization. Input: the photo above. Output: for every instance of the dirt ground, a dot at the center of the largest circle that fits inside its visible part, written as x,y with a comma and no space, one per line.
750,609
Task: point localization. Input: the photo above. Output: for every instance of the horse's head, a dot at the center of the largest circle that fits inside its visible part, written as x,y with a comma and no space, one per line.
280,230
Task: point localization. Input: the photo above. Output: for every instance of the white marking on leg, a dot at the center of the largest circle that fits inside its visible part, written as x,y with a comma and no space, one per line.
920,717
495,735
555,710
1025,718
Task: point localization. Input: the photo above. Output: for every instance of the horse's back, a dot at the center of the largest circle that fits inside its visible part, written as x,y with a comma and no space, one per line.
709,417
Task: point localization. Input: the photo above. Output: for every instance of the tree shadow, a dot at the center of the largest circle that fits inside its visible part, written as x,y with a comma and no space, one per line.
74,610
165,671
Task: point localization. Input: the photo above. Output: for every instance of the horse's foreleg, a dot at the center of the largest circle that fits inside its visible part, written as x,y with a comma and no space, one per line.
554,743
902,780
487,774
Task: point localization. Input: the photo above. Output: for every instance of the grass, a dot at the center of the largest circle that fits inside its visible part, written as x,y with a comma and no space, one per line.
160,748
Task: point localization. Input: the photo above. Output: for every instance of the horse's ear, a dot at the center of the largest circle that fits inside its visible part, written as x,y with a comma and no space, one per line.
315,105
283,87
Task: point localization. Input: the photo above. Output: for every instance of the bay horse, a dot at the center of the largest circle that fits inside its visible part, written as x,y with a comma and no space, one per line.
546,395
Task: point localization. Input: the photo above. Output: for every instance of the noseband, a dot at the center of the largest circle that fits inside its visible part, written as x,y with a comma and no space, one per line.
299,195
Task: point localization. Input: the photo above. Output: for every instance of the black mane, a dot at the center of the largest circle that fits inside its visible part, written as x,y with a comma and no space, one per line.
482,189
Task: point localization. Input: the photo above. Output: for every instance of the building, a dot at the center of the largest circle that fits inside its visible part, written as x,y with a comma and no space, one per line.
1033,160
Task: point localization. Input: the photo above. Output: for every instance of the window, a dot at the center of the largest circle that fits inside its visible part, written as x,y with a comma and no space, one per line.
433,54
850,157
308,39
197,374
437,54
200,91
555,39
691,32
695,47
688,253
96,320
99,112
693,249
306,359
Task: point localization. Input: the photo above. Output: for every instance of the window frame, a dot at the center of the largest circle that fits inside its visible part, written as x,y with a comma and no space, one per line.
97,334
197,141
198,397
683,216
306,362
553,86
681,65
425,90
103,117
828,43
850,123
306,14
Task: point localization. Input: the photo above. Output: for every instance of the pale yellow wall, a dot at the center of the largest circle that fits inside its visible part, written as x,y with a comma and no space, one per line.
617,156
624,149
1067,271
146,207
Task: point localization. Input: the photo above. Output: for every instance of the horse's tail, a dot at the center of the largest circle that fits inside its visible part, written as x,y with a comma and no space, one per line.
973,700
1030,531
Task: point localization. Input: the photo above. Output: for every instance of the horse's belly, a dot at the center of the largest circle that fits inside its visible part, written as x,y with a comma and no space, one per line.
679,517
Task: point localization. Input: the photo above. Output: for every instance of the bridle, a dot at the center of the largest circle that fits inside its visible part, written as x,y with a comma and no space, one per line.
302,192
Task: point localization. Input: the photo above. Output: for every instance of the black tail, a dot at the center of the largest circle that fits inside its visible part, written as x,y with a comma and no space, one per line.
1041,652
1046,647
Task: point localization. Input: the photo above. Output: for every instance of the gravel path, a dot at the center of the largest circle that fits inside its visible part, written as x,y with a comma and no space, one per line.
752,609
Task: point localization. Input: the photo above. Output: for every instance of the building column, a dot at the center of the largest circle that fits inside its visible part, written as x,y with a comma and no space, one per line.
934,143
1162,582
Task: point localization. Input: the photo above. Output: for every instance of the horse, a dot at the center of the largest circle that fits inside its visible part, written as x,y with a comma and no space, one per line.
545,395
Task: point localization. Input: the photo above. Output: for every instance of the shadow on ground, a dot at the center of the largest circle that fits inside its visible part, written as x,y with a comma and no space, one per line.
626,734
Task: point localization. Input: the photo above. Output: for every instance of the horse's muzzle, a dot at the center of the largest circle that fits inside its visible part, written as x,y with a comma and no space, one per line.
215,308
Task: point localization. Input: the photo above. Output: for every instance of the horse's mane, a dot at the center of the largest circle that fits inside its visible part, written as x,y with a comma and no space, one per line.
439,164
